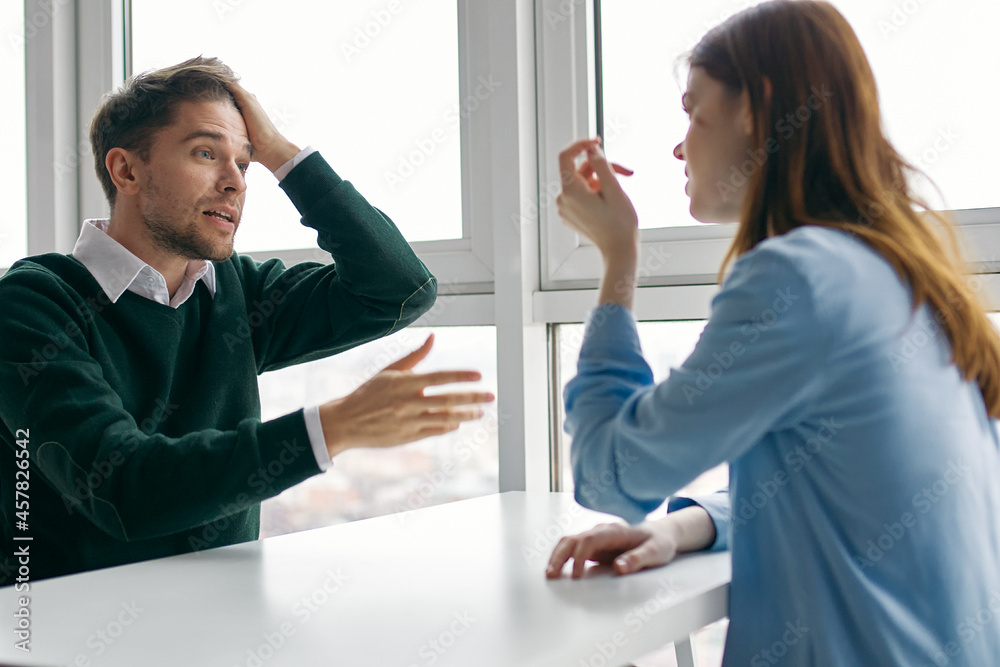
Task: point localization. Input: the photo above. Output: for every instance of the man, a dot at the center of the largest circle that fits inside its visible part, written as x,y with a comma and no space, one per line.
129,410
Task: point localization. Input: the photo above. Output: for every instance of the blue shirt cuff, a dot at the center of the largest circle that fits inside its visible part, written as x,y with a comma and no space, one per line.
717,506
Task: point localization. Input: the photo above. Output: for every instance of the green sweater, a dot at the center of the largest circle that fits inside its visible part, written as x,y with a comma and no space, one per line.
144,431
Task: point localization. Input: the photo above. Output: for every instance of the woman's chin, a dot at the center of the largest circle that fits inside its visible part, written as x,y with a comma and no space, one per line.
712,216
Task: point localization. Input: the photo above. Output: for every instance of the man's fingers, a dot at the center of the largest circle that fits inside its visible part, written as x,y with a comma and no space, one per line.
413,358
458,398
445,377
455,416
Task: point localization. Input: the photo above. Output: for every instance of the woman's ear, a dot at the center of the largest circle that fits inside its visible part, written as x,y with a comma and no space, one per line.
746,109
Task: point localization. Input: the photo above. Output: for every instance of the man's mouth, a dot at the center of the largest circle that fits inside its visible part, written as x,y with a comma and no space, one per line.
221,215
224,219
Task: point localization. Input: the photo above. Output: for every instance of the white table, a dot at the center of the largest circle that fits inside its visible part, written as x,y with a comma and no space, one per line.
457,584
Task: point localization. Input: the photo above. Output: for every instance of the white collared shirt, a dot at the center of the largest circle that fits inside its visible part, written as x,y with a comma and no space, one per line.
116,269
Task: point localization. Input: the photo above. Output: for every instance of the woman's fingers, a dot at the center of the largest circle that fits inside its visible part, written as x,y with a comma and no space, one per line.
567,158
564,549
601,543
645,555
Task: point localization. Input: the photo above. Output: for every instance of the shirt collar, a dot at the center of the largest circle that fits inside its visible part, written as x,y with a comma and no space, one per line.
116,269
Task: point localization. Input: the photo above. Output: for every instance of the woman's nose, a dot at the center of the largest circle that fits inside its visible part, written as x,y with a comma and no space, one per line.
679,151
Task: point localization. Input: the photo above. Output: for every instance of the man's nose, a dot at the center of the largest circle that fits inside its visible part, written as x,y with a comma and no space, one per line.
233,179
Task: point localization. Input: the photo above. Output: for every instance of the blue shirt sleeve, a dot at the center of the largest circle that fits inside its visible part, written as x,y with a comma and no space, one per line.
755,369
717,506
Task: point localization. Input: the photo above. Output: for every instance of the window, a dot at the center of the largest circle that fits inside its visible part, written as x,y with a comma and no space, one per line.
665,345
914,48
13,224
371,482
373,85
923,59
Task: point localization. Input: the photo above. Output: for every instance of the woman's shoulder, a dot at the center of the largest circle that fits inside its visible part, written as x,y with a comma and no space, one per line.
821,255
807,244
838,270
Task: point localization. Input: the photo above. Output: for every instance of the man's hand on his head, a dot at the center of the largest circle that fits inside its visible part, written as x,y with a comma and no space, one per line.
270,147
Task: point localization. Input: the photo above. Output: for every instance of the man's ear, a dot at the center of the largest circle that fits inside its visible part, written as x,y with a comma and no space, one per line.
126,170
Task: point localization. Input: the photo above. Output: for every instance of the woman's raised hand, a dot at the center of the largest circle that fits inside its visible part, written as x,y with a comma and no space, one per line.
593,203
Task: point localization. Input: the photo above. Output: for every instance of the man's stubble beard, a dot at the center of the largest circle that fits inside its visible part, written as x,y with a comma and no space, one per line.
188,242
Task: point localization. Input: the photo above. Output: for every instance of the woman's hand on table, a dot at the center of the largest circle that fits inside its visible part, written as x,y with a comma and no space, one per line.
634,548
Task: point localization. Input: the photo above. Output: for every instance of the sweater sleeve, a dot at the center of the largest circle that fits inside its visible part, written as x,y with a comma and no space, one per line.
127,480
375,286
756,367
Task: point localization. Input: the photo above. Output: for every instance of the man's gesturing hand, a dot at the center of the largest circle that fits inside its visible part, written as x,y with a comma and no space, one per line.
391,408
270,147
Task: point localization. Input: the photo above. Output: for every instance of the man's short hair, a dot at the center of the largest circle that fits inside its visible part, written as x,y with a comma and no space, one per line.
131,116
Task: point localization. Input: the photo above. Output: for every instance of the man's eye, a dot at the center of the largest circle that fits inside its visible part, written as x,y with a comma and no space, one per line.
243,167
205,153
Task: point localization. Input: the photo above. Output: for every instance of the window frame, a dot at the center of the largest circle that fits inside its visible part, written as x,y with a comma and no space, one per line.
668,255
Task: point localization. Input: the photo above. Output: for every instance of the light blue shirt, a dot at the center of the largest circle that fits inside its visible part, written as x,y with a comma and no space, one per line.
864,470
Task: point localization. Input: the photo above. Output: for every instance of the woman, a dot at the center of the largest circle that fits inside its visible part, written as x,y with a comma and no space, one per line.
847,373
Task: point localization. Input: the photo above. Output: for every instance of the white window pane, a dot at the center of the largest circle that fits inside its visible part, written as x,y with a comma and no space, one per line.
13,223
365,483
932,62
665,345
372,88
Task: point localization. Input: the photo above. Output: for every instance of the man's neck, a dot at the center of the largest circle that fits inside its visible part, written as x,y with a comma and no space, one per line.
132,237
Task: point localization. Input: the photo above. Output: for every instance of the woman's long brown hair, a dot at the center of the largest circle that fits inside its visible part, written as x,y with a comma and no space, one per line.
829,163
